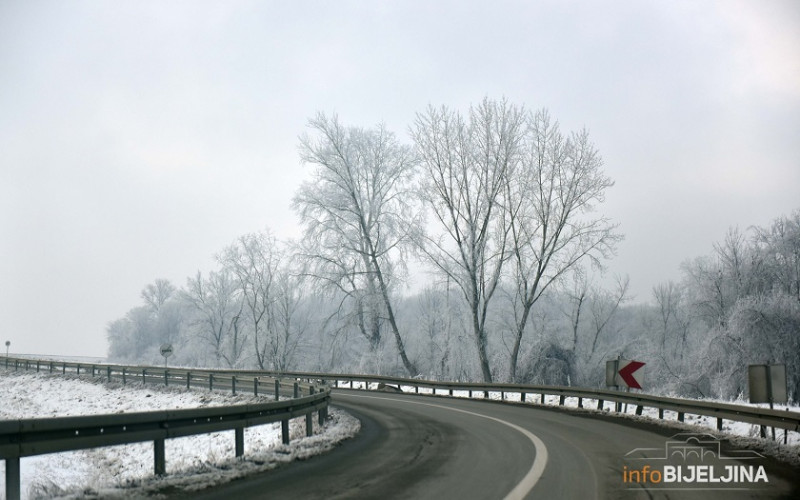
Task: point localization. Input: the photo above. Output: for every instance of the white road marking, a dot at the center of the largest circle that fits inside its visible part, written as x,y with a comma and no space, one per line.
539,462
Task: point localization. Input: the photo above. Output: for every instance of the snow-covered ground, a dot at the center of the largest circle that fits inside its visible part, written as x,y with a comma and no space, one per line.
193,462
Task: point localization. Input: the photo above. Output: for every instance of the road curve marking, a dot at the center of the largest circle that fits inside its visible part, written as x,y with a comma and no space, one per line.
522,488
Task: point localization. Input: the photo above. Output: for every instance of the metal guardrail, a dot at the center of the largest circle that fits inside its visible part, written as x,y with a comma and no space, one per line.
788,420
37,436
763,417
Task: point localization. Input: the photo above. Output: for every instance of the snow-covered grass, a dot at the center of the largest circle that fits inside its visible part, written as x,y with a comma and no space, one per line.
126,471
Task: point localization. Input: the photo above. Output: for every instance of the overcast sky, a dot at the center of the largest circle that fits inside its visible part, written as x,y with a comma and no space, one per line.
137,139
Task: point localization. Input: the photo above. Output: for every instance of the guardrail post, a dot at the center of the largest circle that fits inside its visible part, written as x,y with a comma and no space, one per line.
470,393
166,378
144,376
600,404
561,400
63,368
108,372
485,394
719,423
37,366
239,431
416,389
233,387
638,409
12,479
123,376
580,402
310,417
285,431
93,367
296,390
278,393
336,383
159,458
210,381
661,413
51,367
522,397
680,416
188,380
78,367
255,386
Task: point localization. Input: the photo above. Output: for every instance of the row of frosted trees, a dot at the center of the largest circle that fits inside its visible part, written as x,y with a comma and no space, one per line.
739,305
497,208
496,203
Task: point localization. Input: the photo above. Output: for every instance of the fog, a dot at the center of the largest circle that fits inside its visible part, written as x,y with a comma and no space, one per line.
138,140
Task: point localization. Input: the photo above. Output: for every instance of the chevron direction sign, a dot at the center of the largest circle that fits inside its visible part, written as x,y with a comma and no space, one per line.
622,373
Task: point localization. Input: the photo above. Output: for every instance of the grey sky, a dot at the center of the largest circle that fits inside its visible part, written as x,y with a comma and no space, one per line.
137,139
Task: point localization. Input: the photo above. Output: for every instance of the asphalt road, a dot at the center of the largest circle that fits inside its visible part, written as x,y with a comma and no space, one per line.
420,447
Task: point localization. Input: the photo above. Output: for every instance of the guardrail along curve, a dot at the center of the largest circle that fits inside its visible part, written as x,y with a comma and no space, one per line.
36,436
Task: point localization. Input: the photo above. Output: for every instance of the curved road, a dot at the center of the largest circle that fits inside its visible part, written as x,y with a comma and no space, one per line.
420,447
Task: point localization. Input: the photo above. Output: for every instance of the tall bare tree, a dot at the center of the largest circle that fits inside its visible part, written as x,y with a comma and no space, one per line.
254,259
218,309
468,163
550,204
356,210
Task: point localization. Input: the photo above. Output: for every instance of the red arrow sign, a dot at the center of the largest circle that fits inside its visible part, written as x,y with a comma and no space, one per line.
627,374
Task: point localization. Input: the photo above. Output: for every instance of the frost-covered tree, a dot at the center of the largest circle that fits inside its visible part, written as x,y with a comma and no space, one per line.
553,227
356,211
468,162
217,307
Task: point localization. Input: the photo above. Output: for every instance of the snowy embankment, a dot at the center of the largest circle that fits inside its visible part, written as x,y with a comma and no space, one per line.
193,462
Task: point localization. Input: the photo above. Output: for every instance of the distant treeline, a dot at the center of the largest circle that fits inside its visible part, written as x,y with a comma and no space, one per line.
500,207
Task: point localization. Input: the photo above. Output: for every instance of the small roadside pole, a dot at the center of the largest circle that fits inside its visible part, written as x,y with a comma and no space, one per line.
166,351
767,384
620,372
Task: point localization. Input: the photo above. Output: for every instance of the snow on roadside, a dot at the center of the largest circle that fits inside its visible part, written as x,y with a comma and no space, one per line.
193,462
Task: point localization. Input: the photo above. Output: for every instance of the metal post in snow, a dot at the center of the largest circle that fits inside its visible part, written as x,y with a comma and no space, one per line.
285,431
12,478
239,431
159,457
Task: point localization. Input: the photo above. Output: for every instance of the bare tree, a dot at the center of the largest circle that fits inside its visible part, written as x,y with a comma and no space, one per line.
254,260
604,306
468,162
218,307
550,203
157,293
290,324
356,211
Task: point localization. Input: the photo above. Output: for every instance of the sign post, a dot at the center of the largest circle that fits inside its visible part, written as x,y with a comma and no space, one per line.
8,343
620,373
767,384
166,351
